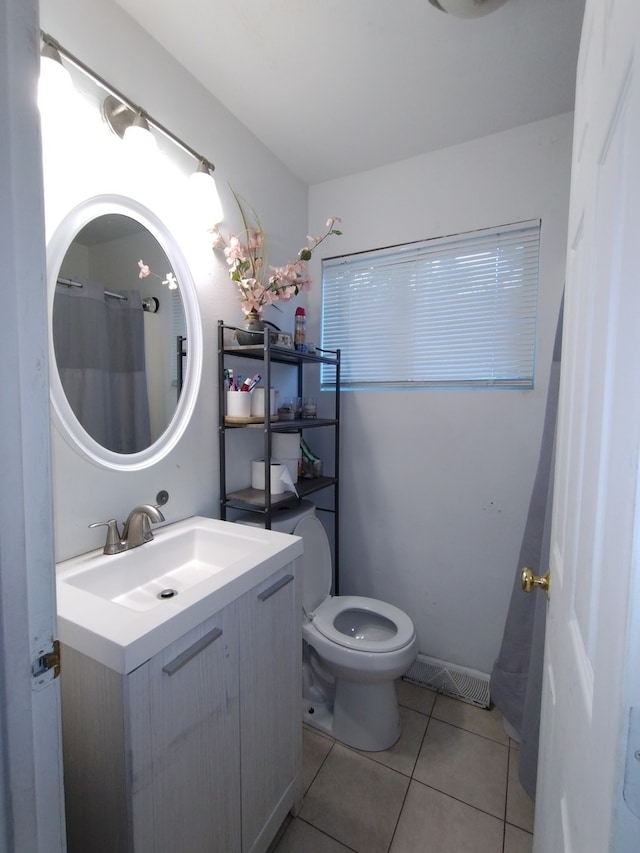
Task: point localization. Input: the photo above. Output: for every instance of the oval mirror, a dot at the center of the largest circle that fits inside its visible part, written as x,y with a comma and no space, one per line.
123,314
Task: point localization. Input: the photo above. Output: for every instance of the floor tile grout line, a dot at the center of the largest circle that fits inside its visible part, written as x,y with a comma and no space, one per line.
370,755
471,731
328,835
395,827
315,775
506,795
424,737
433,716
464,802
516,826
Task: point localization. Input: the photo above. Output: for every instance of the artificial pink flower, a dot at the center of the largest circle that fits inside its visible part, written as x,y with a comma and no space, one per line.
234,251
247,262
256,239
170,280
217,239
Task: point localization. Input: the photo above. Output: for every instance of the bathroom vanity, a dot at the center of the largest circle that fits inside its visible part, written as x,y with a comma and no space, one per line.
191,740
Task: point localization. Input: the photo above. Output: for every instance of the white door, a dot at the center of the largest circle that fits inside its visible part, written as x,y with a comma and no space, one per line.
31,804
592,652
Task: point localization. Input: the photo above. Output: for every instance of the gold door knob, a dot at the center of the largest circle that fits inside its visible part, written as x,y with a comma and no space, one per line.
530,581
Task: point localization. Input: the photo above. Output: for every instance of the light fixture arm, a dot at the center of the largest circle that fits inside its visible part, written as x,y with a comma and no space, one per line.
121,111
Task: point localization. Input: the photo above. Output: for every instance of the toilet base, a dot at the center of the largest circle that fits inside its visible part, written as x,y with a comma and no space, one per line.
318,715
366,716
362,716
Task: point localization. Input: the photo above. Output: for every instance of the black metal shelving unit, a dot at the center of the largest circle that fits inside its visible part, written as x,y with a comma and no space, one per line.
263,503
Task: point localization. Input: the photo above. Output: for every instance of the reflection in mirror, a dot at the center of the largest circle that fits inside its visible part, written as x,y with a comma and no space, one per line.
117,361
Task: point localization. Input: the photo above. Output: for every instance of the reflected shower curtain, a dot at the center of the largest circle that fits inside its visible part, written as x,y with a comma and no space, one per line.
516,679
99,347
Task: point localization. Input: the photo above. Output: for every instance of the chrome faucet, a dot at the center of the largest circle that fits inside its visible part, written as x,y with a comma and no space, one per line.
136,531
137,527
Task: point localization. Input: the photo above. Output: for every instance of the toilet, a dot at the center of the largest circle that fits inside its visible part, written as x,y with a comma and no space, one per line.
353,647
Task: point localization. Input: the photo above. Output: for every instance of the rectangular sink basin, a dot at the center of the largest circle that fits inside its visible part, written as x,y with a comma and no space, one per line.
154,573
112,608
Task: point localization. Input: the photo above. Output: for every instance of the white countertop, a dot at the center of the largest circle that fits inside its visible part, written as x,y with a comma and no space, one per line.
123,638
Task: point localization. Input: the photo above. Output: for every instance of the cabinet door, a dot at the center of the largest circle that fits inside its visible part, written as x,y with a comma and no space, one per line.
271,713
184,743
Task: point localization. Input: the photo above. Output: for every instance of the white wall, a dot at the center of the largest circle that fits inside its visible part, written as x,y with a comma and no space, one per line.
433,500
110,43
435,485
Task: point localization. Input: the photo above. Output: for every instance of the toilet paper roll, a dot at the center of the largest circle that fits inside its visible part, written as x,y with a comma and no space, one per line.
285,445
287,480
279,475
292,466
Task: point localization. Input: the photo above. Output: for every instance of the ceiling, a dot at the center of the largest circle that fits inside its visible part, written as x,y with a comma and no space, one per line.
335,87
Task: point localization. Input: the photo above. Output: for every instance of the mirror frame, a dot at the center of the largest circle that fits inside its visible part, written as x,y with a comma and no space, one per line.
62,413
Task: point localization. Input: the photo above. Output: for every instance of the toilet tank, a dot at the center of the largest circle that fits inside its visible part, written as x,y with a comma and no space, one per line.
283,520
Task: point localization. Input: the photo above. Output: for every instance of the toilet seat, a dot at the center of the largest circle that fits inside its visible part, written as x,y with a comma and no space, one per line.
384,618
368,625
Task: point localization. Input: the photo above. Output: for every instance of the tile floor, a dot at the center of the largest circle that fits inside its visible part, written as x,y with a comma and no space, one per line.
450,785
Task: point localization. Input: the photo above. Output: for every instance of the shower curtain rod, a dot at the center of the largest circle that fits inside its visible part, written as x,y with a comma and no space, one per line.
69,282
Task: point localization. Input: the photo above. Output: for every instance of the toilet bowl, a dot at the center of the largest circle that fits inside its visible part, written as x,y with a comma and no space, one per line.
353,648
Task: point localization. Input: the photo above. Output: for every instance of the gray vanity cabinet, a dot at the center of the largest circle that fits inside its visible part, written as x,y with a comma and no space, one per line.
271,717
198,749
183,709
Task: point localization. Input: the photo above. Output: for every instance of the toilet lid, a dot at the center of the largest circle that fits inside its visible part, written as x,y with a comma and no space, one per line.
316,562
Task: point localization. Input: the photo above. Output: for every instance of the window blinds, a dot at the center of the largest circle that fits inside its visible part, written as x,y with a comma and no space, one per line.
178,327
449,312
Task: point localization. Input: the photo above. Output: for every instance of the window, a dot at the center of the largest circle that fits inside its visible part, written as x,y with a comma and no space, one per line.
450,312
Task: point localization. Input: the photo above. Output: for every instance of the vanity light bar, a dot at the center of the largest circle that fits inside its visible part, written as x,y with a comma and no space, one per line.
128,104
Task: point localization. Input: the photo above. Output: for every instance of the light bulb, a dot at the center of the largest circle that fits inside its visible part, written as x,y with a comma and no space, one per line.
204,198
55,88
138,137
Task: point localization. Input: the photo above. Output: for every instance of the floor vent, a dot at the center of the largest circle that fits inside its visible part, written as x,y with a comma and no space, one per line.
451,679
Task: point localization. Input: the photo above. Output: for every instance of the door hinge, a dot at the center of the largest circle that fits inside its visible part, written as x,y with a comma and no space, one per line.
46,667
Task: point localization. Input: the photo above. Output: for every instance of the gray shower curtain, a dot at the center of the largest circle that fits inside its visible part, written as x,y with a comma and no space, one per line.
516,679
99,347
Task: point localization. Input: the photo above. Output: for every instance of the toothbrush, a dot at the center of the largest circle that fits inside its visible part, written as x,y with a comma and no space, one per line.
252,382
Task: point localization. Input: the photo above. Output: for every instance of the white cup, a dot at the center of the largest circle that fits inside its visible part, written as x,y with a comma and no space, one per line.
257,402
238,404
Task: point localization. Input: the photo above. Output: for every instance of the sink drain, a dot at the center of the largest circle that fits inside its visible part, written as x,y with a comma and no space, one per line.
167,593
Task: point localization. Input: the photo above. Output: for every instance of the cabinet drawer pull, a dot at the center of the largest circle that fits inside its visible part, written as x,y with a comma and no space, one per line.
271,590
188,654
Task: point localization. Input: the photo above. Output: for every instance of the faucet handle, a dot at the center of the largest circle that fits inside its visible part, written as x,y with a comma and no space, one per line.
114,544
